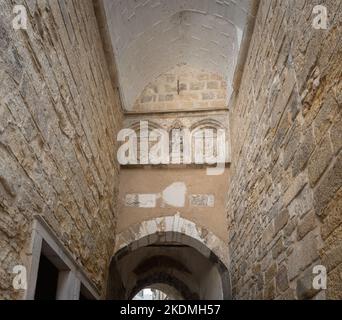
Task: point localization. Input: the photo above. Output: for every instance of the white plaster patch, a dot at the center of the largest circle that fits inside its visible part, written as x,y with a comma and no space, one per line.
174,195
147,200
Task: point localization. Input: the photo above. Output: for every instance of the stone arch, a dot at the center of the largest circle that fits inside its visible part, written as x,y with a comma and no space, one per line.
197,140
175,229
169,290
146,233
151,126
207,123
166,279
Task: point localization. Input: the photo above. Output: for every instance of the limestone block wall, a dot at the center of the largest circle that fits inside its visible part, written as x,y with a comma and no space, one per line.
284,207
58,121
183,88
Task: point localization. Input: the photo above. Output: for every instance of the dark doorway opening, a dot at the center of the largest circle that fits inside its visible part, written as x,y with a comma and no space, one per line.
47,280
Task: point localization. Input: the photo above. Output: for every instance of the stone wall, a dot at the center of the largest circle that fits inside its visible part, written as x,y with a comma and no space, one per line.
59,116
284,207
183,88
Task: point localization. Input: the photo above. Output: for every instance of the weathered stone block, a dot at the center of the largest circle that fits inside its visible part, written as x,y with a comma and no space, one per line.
325,117
165,97
334,288
197,85
333,216
5,279
305,253
305,289
294,105
203,77
302,203
281,220
301,157
282,281
268,235
146,99
170,88
332,258
288,295
278,248
290,227
281,132
183,87
271,272
292,144
306,225
319,161
213,85
329,185
170,77
269,291
217,104
336,135
208,95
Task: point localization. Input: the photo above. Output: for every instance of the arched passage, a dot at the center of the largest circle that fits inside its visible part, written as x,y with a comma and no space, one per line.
172,251
164,280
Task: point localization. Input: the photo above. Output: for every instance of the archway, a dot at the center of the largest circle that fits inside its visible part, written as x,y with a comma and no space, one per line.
170,251
158,292
168,283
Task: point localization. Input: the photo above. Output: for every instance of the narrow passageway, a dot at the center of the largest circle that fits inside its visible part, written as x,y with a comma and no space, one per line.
182,263
170,150
190,274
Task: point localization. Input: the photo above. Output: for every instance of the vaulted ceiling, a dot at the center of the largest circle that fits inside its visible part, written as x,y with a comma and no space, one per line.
150,37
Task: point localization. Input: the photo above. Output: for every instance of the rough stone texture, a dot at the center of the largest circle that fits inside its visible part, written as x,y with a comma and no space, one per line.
183,88
282,280
285,122
148,232
58,119
194,122
59,116
307,224
305,289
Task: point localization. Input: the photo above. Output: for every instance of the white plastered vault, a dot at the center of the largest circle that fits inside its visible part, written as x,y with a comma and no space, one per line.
150,37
